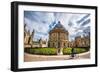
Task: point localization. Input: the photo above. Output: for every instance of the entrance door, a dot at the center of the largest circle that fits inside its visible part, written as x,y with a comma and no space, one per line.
58,44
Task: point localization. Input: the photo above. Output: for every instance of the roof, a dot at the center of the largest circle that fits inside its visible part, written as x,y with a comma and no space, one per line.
59,26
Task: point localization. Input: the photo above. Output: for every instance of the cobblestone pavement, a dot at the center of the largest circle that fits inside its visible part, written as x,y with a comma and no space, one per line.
30,57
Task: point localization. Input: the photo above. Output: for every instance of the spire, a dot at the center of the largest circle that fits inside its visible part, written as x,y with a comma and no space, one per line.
25,26
32,33
28,31
59,22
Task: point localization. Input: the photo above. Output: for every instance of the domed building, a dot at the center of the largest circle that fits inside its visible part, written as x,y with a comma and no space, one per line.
58,37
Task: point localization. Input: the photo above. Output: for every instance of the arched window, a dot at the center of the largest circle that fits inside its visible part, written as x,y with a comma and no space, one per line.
53,44
58,44
48,44
64,44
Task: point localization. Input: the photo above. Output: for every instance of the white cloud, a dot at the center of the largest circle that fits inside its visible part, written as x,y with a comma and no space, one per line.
40,22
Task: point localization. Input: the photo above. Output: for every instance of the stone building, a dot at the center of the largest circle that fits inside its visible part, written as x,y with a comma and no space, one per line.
82,41
40,43
28,38
58,37
71,44
43,43
30,43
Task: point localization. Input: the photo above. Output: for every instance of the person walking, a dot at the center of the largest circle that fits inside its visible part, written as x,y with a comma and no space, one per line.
72,53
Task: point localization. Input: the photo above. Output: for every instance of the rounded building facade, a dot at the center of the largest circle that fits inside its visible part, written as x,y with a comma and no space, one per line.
58,37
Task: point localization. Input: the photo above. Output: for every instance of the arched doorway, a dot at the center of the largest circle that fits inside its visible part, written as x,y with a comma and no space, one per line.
59,49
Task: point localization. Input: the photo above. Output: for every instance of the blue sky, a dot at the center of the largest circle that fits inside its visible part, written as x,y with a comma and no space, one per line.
42,22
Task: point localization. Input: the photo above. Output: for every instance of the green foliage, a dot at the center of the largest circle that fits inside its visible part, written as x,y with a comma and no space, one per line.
67,51
80,50
43,51
53,51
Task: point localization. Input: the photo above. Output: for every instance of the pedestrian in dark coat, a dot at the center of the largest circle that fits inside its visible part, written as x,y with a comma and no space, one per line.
72,53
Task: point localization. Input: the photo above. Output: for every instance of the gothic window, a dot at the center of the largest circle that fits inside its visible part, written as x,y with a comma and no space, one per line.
48,44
